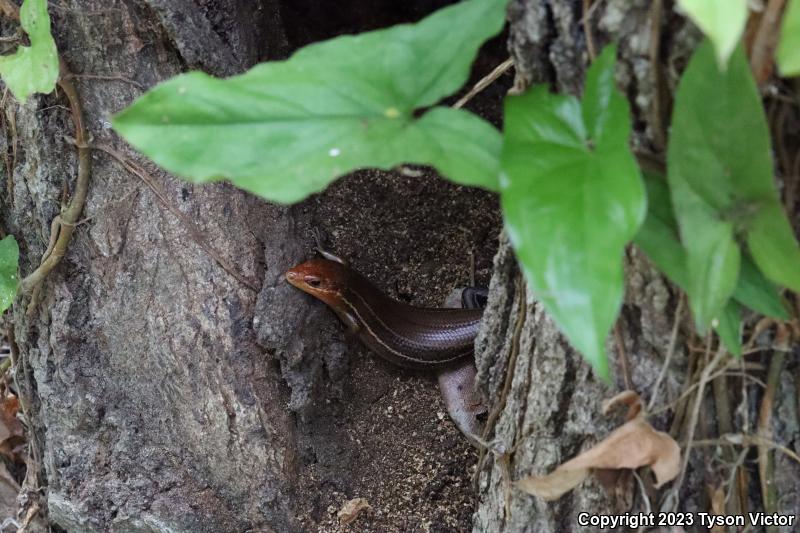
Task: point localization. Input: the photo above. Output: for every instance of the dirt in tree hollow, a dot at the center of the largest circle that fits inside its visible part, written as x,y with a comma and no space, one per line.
415,236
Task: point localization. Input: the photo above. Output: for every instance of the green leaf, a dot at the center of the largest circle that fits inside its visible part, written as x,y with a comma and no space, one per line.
789,45
287,129
773,245
32,69
720,173
696,265
722,21
9,263
757,292
572,197
729,327
658,238
720,176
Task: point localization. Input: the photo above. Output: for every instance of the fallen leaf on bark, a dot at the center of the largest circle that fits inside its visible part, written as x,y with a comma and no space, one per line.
351,509
627,398
632,445
11,431
717,498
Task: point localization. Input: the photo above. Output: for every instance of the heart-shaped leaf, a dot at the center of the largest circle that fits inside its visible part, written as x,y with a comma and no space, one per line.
721,20
286,129
722,186
32,69
658,238
572,197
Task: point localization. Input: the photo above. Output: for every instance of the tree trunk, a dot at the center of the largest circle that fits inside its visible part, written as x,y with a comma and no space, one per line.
165,392
552,409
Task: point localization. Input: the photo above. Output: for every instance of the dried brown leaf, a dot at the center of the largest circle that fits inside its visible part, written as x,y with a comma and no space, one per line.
632,445
554,485
717,497
11,430
351,509
628,398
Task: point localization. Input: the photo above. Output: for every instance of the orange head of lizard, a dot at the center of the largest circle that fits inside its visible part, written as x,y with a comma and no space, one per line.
321,278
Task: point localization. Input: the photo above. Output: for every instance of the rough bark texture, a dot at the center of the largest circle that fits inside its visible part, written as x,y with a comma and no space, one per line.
553,408
151,402
163,394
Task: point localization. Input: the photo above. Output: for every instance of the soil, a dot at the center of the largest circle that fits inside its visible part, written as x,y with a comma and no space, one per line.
416,236
413,237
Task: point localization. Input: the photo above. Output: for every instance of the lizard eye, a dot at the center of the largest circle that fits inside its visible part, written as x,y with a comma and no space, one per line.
313,281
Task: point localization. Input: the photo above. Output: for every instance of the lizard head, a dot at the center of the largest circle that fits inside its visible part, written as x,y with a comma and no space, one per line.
319,277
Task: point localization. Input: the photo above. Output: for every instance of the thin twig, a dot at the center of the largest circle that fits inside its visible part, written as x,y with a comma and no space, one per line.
765,41
648,507
34,509
623,357
196,234
509,377
587,30
673,338
760,327
741,439
765,461
588,13
722,404
722,372
735,475
512,359
682,404
724,423
484,82
692,423
110,77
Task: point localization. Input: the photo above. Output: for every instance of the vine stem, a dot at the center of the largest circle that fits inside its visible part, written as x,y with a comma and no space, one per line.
64,224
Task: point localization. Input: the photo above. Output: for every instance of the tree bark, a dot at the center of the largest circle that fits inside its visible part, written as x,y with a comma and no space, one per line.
164,392
552,409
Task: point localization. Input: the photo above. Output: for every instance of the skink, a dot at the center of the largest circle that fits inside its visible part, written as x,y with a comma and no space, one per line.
440,340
